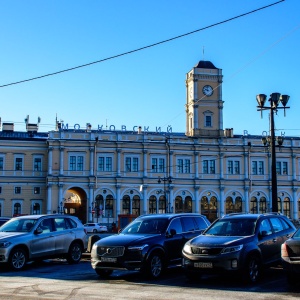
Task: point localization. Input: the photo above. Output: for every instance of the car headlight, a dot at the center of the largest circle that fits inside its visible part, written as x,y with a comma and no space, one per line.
187,249
139,248
94,251
5,244
231,249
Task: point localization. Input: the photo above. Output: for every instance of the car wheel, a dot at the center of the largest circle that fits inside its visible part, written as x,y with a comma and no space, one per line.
154,265
95,230
105,273
252,270
18,259
74,254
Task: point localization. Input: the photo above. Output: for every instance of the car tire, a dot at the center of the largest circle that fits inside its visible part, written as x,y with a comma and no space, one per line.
252,270
154,265
74,254
94,230
17,259
104,273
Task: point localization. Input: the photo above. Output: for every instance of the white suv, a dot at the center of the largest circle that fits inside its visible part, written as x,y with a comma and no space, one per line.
31,237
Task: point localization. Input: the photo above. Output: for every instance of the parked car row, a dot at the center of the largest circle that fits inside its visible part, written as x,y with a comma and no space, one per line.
241,244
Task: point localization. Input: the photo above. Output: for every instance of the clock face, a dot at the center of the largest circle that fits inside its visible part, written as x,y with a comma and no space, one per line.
207,90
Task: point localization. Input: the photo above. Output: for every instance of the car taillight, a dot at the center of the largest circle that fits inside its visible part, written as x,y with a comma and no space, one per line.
284,252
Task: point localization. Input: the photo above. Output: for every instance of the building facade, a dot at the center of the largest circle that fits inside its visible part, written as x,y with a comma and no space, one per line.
100,175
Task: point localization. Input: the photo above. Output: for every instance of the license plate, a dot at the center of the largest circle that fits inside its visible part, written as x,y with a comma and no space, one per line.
109,259
203,265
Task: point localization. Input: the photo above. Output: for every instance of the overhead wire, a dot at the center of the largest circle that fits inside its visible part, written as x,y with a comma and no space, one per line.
142,48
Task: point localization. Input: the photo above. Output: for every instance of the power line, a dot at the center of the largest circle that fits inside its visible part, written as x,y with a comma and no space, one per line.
142,48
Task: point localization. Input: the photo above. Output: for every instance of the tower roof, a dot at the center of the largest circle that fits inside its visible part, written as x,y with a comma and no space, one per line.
205,64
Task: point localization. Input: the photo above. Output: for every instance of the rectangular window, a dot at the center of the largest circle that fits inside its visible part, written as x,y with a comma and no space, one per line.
131,164
0,189
230,167
281,168
180,165
183,165
207,121
158,165
284,168
36,190
209,167
19,164
76,163
37,165
257,167
1,163
79,163
278,167
236,167
17,190
104,164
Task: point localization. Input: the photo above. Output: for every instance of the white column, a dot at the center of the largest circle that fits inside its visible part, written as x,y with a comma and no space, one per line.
221,209
118,201
90,202
246,196
49,198
197,206
119,162
50,159
61,159
145,163
295,205
221,165
196,155
92,152
145,199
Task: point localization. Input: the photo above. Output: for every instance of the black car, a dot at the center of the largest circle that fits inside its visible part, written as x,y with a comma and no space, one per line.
148,244
290,255
239,243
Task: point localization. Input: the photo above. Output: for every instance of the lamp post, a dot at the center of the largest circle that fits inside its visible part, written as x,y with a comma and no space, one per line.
166,180
275,99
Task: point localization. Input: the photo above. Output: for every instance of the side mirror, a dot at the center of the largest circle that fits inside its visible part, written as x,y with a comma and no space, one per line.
263,233
171,233
39,230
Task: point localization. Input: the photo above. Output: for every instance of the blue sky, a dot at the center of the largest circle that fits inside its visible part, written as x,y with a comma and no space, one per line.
258,53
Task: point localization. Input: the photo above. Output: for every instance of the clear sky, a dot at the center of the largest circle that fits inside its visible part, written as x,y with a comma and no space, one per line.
258,53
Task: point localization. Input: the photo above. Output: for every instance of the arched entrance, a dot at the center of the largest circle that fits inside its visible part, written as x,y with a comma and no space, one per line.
75,203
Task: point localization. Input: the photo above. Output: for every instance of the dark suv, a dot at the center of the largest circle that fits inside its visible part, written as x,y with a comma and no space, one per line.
148,244
241,243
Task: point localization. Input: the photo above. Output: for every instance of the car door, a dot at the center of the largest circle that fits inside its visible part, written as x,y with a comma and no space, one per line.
174,240
43,243
64,234
268,242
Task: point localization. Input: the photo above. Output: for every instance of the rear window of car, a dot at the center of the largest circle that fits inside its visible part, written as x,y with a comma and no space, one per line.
188,224
200,222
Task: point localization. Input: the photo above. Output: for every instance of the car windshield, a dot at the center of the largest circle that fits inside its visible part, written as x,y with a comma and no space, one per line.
149,226
18,225
232,227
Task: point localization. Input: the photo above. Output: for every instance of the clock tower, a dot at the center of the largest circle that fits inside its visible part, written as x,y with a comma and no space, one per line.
204,105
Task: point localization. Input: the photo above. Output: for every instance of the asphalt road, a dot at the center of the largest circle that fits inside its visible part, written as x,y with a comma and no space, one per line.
55,279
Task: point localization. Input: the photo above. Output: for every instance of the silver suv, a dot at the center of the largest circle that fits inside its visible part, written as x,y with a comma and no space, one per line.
32,237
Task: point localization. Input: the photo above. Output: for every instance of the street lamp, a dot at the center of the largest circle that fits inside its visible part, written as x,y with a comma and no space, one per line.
166,180
275,99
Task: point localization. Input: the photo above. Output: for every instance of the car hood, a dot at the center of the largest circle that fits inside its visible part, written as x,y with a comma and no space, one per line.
125,239
9,235
216,241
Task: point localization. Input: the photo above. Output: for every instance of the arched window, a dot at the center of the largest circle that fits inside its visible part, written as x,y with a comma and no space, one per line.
287,207
262,205
209,207
253,205
136,205
162,204
152,204
238,207
109,206
229,209
126,205
188,204
178,204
